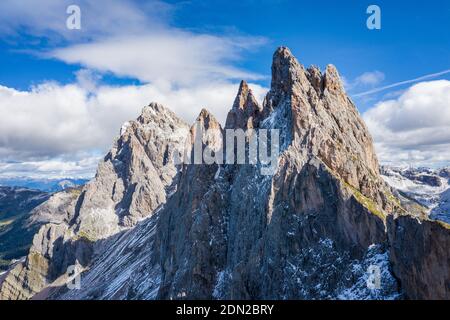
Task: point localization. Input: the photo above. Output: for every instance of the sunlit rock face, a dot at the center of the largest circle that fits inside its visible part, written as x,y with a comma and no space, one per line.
246,112
131,182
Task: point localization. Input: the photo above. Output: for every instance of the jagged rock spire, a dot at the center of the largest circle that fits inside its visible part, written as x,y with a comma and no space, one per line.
206,131
322,122
315,78
287,75
207,121
246,111
285,69
333,83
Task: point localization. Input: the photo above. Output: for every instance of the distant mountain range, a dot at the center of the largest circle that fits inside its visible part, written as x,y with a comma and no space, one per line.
18,198
46,185
429,187
16,232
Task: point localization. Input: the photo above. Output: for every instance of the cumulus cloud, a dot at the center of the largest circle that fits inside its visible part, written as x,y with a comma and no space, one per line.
54,122
415,127
55,126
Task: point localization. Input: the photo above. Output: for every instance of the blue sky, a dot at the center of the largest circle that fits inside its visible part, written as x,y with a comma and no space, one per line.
414,39
186,52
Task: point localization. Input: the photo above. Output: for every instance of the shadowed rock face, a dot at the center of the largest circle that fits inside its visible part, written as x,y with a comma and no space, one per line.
420,257
17,224
223,231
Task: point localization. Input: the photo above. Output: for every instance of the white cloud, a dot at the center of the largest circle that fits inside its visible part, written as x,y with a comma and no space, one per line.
55,126
80,166
87,79
127,38
370,78
170,57
365,80
98,18
415,127
45,121
60,123
402,83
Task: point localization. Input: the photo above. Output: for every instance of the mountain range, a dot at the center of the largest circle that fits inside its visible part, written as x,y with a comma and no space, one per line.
429,187
320,227
16,231
45,185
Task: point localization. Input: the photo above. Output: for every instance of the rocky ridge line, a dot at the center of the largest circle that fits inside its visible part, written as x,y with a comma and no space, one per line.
229,232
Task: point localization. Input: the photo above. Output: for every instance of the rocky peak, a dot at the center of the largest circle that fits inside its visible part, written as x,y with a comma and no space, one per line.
139,167
207,120
332,81
205,132
286,70
315,78
321,121
157,134
156,112
287,75
246,112
290,77
150,111
131,182
242,96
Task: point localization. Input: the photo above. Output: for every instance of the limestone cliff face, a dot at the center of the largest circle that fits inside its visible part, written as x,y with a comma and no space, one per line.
325,123
186,224
237,233
252,236
30,277
131,182
310,230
